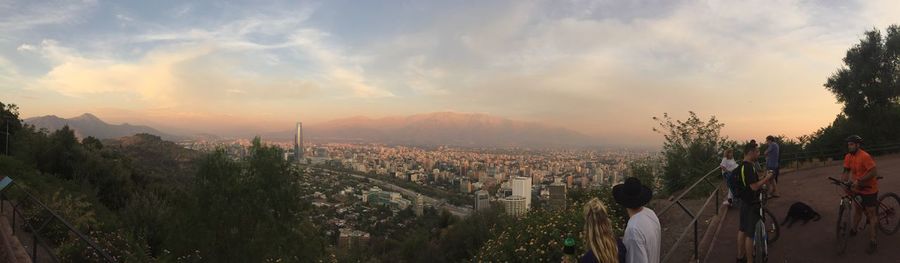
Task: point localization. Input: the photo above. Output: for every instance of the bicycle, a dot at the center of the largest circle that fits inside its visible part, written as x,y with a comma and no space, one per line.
766,227
886,211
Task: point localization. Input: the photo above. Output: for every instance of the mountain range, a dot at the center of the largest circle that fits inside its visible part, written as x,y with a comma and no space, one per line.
443,128
439,128
89,125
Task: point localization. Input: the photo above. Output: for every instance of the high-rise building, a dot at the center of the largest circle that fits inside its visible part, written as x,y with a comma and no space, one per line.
557,195
465,186
515,205
298,143
521,186
482,200
419,206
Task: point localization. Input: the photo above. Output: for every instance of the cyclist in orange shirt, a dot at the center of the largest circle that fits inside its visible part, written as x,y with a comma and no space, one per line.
859,169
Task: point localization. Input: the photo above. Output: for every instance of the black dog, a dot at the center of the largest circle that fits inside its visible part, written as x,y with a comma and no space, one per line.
800,211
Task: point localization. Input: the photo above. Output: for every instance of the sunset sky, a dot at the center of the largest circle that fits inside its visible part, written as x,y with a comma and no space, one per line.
603,68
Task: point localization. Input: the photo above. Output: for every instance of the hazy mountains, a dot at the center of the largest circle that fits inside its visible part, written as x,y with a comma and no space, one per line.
441,128
89,125
445,128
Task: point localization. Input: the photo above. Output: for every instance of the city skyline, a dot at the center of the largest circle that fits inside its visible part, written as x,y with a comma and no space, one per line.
600,68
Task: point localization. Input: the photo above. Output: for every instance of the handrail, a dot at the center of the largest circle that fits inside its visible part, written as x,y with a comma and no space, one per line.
705,178
804,155
684,192
695,216
37,239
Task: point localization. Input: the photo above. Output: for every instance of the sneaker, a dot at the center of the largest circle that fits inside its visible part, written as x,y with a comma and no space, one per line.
726,203
872,247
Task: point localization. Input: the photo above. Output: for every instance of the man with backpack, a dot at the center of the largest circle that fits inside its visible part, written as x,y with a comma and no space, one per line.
748,191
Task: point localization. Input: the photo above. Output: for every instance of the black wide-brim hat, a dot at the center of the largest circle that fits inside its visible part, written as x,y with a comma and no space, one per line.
632,194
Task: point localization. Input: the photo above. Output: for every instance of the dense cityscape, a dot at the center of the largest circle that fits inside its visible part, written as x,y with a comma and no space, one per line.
449,131
372,189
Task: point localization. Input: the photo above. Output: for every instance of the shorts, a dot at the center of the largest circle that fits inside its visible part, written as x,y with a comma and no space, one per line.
749,217
775,172
869,200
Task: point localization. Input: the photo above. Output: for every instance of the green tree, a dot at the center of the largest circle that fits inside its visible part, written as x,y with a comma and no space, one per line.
9,124
868,86
92,143
868,83
64,153
691,149
245,211
648,170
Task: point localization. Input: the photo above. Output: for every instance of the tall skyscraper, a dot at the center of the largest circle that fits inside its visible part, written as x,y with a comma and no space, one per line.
298,143
521,186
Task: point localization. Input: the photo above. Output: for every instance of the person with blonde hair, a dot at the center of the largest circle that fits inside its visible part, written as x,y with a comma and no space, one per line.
599,239
728,165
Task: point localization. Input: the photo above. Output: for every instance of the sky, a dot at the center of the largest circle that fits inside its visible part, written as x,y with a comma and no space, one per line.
603,68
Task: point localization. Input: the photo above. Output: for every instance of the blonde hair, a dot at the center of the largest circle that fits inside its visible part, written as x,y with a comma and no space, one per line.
598,232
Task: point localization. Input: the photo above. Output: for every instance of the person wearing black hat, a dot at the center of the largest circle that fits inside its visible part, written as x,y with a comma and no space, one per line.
642,234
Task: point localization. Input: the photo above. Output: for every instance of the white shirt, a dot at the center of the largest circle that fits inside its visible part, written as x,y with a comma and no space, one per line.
642,238
729,164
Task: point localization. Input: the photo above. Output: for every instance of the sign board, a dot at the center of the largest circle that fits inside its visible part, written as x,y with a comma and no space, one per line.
5,182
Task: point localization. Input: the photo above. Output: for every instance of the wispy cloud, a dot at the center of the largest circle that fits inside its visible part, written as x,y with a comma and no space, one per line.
603,67
187,66
24,15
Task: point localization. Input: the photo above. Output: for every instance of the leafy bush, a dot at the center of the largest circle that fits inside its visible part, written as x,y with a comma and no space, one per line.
538,236
117,244
691,149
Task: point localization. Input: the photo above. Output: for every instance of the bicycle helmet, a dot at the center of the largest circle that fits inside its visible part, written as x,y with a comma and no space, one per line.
855,139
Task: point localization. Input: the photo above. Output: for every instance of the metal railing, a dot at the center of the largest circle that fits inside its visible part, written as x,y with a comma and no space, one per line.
37,239
797,158
695,216
714,195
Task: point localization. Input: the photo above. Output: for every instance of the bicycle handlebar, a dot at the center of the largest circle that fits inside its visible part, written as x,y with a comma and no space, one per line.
839,182
848,185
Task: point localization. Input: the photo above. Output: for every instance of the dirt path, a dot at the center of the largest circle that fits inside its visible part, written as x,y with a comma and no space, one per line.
814,242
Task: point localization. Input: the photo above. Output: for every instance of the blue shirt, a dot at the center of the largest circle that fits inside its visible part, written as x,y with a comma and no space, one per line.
773,155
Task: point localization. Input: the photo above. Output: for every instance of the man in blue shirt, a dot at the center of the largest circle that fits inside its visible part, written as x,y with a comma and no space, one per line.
773,158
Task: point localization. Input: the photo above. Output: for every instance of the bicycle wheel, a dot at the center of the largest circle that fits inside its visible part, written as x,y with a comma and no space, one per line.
888,220
773,230
760,245
843,227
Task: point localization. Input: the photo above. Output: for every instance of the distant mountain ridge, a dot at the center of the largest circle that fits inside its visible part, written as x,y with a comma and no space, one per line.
89,125
439,128
445,128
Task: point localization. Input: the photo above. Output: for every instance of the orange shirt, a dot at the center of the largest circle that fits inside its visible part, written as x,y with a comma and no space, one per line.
860,164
